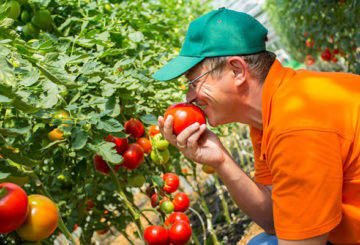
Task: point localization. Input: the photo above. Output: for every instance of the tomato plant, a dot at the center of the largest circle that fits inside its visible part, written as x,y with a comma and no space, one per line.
180,232
13,9
42,19
184,115
134,127
171,182
13,207
42,219
133,156
153,130
159,142
120,144
137,180
160,157
102,166
181,202
156,235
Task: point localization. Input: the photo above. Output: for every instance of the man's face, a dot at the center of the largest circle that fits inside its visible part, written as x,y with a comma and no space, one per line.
217,95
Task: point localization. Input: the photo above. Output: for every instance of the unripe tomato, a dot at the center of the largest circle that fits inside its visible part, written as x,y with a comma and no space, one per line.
13,207
167,207
171,182
137,180
102,166
160,157
30,30
145,144
42,19
153,130
133,156
184,115
13,9
181,202
156,235
120,144
108,7
41,221
134,127
208,169
180,232
175,217
55,134
159,142
25,16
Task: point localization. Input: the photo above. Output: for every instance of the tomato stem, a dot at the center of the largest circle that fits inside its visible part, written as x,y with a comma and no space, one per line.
222,197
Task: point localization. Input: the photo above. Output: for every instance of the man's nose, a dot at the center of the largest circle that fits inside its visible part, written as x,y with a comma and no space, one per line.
190,95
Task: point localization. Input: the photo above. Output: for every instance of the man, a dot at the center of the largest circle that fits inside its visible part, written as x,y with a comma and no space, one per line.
304,125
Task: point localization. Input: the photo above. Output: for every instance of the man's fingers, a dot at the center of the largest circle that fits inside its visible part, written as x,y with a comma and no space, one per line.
182,138
193,140
166,129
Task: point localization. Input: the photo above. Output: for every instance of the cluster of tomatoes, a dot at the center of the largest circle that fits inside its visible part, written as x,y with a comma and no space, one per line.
34,217
177,228
32,21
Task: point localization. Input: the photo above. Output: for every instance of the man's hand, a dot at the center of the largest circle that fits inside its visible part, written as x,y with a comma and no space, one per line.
196,142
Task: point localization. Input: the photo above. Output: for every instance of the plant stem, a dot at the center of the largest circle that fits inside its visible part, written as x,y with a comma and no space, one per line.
205,207
222,197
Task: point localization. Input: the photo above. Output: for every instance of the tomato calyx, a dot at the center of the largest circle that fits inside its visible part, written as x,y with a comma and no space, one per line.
2,191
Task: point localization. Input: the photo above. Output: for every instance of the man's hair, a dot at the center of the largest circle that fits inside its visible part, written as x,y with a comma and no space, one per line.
258,64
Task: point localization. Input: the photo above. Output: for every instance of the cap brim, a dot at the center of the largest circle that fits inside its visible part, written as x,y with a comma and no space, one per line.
176,67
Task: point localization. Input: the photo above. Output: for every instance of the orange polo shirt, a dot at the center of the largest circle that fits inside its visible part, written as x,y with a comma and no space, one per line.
309,150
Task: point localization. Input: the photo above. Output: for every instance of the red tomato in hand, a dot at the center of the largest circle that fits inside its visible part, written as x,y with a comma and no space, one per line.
102,166
133,156
184,115
13,207
41,221
180,232
145,144
134,127
171,182
153,130
120,144
175,217
181,202
156,235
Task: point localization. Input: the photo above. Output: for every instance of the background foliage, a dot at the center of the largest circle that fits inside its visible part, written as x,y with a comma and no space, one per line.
322,31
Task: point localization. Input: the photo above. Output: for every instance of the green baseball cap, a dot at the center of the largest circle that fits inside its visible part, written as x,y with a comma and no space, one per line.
220,32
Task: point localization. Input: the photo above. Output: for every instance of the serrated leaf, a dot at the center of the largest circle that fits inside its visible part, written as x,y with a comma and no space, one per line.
79,139
110,125
31,78
108,153
49,97
149,119
157,180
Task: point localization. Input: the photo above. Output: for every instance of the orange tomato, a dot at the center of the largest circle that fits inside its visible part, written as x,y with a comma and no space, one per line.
42,219
56,134
145,144
208,169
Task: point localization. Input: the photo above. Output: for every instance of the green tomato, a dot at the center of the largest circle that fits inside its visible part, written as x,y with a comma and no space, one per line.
30,30
167,207
13,9
108,7
160,157
25,16
42,19
137,180
159,142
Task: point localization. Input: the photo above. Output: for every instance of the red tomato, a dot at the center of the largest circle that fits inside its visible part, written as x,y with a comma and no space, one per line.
171,182
145,144
134,127
175,217
133,156
155,200
102,166
13,207
42,220
156,235
326,55
89,204
180,232
181,202
184,115
153,130
120,144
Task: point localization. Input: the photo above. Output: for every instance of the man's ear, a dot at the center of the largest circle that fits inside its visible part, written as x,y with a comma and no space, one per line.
238,67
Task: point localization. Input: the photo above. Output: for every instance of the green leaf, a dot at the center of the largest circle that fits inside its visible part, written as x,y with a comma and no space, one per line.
4,99
49,96
110,125
157,180
31,78
79,139
2,192
136,36
14,131
107,152
4,175
18,158
149,119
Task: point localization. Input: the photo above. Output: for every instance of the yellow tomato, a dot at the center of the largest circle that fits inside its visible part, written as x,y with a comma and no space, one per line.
42,219
208,169
56,134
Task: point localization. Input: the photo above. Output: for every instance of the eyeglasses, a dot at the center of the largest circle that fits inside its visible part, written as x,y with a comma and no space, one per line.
191,82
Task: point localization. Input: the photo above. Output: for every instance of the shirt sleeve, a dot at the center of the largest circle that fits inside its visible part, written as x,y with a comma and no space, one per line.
262,172
306,167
